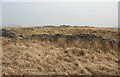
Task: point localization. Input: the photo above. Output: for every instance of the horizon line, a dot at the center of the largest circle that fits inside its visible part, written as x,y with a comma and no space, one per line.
64,25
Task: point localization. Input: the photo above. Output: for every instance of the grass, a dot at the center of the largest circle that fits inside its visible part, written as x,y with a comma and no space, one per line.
77,57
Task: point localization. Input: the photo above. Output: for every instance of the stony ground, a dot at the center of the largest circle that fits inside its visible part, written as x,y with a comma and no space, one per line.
60,51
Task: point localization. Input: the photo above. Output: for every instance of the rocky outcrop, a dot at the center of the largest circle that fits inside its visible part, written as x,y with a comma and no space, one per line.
12,34
8,33
85,37
88,39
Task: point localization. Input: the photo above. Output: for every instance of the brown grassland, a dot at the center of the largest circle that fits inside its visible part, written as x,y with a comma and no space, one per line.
62,50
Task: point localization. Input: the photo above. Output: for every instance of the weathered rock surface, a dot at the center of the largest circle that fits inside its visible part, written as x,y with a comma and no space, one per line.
8,33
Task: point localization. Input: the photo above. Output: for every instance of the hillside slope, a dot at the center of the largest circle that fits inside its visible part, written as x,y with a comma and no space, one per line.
60,51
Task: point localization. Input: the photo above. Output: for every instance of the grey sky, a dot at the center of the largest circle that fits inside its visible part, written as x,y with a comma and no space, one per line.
60,0
101,14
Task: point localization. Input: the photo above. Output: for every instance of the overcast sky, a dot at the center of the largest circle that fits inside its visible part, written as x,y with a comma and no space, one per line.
100,14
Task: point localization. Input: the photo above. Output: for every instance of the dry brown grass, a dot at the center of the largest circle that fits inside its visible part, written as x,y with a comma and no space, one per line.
35,57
